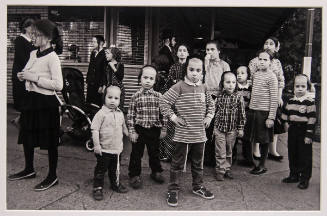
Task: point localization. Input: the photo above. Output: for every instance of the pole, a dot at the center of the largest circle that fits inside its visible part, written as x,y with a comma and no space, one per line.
306,69
212,27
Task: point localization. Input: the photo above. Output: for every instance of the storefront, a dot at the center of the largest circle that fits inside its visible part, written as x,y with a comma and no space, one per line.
136,31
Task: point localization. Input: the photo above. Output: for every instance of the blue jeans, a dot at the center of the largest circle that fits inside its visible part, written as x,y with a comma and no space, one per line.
224,143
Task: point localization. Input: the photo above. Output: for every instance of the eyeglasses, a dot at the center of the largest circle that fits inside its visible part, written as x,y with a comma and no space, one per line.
37,34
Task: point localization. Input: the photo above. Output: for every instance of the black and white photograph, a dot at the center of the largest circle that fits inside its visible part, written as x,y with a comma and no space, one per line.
174,108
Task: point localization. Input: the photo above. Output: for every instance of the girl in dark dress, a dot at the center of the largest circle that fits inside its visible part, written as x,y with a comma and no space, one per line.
95,71
23,47
40,119
114,72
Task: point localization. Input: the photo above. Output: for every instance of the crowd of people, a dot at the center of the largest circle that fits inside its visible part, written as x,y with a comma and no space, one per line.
188,107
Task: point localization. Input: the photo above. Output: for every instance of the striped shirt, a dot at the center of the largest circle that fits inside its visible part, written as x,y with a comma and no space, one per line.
144,110
264,93
301,111
193,104
275,66
230,113
245,91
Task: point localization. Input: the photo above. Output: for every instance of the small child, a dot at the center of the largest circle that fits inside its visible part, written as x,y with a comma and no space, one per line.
229,123
244,88
108,126
299,116
263,106
146,127
194,112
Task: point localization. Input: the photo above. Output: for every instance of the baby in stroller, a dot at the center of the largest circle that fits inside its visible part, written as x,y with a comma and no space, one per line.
78,111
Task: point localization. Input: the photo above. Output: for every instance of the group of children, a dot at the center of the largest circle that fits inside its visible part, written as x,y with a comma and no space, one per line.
202,94
243,108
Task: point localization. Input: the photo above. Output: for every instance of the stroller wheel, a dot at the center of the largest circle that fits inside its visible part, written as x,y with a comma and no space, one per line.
89,145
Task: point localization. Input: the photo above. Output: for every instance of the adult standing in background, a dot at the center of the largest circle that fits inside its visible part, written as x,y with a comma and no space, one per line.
96,71
166,50
23,47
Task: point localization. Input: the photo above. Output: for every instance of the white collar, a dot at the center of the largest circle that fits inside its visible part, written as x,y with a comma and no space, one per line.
26,37
301,99
244,86
189,82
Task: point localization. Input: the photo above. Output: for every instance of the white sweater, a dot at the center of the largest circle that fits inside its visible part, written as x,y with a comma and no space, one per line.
48,69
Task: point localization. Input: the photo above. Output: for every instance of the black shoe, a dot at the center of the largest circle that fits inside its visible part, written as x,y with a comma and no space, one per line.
97,193
228,175
119,189
135,182
172,198
303,184
46,184
274,157
256,158
258,170
291,179
157,177
22,175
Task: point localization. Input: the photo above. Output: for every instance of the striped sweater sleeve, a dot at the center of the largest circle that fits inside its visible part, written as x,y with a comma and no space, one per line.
273,89
311,112
168,99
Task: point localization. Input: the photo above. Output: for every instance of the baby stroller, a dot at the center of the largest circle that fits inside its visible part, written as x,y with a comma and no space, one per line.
78,111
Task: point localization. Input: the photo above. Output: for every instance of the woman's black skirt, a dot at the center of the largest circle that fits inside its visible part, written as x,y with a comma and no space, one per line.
40,121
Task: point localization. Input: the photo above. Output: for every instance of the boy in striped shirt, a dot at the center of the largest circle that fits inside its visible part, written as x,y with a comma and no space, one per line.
195,110
299,117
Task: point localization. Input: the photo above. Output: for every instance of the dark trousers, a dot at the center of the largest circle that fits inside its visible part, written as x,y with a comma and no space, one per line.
52,157
299,153
150,138
106,162
179,160
92,95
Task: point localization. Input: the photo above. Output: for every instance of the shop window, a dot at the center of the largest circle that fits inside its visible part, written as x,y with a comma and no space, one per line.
130,35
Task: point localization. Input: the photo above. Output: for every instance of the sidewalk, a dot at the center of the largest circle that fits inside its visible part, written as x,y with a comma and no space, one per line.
75,173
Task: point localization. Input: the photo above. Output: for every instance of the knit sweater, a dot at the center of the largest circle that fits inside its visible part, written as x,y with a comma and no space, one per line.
48,69
193,104
264,93
301,111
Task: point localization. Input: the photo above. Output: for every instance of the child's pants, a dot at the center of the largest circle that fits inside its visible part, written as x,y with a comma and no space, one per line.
299,153
106,162
150,138
224,142
179,159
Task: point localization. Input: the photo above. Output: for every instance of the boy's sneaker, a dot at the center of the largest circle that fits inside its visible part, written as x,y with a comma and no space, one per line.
291,179
157,177
204,193
22,175
119,189
220,177
228,175
46,184
97,193
135,182
172,198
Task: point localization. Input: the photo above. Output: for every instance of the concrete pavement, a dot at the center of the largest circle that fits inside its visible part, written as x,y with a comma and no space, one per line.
75,172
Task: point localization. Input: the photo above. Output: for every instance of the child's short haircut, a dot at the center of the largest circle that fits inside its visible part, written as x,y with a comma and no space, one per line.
271,55
184,72
214,42
141,72
221,84
247,71
107,89
303,75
